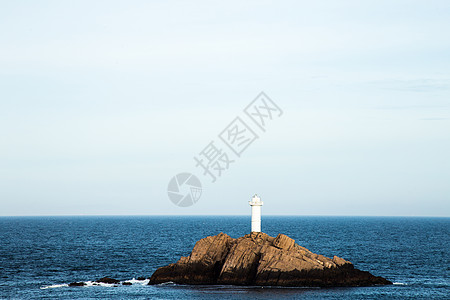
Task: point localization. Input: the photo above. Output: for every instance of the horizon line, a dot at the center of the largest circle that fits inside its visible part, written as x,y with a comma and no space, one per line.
223,215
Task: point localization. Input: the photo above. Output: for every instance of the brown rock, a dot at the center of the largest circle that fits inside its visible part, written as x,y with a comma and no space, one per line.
242,260
283,242
203,266
211,249
340,261
108,280
259,259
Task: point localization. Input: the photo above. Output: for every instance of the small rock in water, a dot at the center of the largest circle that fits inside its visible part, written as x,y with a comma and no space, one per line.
126,283
141,278
108,280
77,284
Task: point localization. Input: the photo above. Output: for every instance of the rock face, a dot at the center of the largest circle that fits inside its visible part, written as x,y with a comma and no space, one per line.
259,259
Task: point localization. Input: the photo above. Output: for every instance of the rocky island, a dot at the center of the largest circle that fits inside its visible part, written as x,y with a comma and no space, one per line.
261,260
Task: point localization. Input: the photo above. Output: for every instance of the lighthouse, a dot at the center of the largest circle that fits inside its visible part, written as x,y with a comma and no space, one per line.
256,204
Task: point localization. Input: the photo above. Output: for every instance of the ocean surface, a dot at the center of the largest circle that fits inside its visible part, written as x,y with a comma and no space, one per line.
39,256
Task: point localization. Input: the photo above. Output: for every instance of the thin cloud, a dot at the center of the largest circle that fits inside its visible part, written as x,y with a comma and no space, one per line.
435,119
413,85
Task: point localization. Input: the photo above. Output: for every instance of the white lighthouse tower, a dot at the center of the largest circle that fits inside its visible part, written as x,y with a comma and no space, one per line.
256,204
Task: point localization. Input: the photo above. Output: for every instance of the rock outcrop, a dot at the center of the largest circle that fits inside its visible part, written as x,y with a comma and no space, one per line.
108,280
77,284
259,259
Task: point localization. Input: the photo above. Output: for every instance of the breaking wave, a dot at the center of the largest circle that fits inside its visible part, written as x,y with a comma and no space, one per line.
93,283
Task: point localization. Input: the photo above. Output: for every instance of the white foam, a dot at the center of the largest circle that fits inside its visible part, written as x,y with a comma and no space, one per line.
93,283
54,286
167,283
399,283
141,282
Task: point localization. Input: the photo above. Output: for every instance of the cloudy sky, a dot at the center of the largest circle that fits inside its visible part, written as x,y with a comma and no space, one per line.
103,102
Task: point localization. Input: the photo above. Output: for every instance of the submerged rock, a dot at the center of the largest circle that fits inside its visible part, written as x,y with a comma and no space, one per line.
108,280
77,284
259,259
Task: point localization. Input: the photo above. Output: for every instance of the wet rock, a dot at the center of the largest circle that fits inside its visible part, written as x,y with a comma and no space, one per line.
77,284
108,280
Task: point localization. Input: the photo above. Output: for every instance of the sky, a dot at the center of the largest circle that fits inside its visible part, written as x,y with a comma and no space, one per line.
102,103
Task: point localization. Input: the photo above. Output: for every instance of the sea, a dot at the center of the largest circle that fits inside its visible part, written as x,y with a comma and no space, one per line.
39,256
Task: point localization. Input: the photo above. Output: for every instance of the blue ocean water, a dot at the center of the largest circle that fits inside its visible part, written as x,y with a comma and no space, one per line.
39,255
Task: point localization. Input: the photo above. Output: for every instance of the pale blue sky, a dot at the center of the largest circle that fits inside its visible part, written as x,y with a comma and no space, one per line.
102,102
